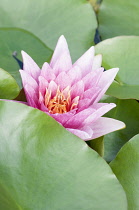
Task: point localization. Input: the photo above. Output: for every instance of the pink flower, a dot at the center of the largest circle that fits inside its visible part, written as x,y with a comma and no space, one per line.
70,93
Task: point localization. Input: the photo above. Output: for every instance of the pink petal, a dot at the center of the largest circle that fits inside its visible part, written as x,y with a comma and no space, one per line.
28,79
91,93
41,98
77,120
44,108
74,103
52,87
47,72
105,81
83,104
84,133
92,78
75,100
63,118
61,48
66,91
31,96
77,89
105,125
62,64
99,105
75,74
88,98
85,61
97,62
63,80
43,84
30,66
100,111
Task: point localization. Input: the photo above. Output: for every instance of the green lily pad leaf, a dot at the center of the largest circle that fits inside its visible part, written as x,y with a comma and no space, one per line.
7,203
9,89
122,52
128,112
21,96
12,41
114,19
48,20
126,168
97,145
43,166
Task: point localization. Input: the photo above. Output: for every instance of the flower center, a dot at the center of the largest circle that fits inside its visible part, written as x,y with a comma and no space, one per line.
61,102
58,104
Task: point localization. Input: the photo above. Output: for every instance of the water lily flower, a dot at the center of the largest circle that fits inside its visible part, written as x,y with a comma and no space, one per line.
70,92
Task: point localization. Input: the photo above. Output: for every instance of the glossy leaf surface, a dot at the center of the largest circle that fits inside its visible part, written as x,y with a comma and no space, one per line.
126,168
128,112
118,17
48,20
122,52
97,145
12,41
43,166
9,89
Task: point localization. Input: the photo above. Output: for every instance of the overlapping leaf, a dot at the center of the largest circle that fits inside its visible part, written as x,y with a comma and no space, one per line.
126,168
118,17
9,89
43,166
122,52
48,20
12,41
128,112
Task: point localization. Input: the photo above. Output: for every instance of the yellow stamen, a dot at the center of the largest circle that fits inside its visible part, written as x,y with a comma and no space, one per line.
61,103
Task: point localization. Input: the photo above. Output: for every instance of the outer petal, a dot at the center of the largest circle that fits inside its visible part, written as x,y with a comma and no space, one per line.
77,120
105,81
100,111
30,66
61,47
31,96
85,61
105,125
84,133
92,78
28,79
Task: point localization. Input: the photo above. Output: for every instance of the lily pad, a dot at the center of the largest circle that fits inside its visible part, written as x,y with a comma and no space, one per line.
43,166
122,52
118,17
128,112
9,89
48,20
126,168
12,41
97,145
